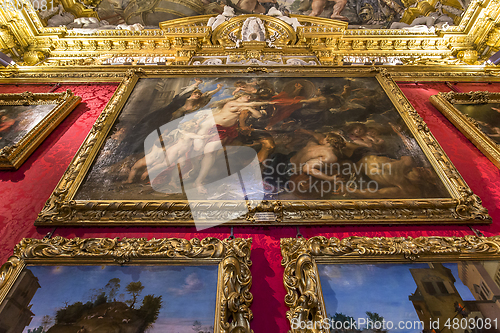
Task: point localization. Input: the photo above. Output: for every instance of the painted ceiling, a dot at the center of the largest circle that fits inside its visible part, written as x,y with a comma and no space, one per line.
360,14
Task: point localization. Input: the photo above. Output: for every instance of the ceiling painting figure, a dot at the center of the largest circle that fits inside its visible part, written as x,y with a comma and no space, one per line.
360,14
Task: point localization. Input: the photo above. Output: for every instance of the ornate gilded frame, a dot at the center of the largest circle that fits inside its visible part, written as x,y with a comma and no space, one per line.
462,206
445,102
231,255
11,157
300,258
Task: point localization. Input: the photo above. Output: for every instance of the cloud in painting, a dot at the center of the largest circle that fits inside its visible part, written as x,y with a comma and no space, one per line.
191,284
349,276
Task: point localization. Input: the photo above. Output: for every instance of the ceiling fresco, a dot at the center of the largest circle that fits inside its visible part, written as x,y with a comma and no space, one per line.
410,15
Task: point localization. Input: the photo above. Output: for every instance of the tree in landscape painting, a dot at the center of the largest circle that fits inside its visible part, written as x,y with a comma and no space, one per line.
102,313
39,329
112,288
149,310
134,289
47,322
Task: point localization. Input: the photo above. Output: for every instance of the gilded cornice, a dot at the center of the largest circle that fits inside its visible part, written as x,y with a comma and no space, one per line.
329,41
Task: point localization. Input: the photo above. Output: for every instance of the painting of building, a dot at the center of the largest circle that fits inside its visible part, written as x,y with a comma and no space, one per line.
482,278
436,297
15,311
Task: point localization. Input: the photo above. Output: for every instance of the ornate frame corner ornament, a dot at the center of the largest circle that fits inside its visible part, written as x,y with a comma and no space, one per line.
12,157
300,258
232,312
445,103
461,206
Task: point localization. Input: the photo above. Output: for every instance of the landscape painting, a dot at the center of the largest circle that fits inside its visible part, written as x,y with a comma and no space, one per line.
17,120
260,138
412,298
114,299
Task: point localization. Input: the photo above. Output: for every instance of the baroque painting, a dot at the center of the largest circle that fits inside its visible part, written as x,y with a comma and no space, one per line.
412,297
381,284
17,120
244,149
26,119
360,14
487,116
289,138
119,299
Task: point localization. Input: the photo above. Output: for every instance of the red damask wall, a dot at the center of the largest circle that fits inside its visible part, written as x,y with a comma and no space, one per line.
24,192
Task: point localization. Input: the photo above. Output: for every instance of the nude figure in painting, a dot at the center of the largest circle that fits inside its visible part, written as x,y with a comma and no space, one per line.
223,130
174,153
318,6
318,153
195,101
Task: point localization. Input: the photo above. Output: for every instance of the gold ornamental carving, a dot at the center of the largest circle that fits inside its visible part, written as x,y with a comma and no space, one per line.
233,300
6,38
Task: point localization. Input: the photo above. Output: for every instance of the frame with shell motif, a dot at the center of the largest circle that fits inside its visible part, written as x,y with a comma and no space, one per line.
203,284
389,281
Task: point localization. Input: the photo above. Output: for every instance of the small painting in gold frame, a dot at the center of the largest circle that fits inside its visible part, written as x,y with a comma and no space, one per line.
104,285
26,119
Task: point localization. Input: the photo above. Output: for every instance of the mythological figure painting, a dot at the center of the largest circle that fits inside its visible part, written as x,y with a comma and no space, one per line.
411,298
78,299
360,14
260,138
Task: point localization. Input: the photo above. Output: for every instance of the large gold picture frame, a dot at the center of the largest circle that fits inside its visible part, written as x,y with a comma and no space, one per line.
462,206
305,297
30,130
479,132
229,259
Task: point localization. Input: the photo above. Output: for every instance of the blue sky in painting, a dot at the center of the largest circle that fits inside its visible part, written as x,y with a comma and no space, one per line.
188,292
384,289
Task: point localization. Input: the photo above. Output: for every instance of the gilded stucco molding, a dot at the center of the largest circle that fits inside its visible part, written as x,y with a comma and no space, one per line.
233,312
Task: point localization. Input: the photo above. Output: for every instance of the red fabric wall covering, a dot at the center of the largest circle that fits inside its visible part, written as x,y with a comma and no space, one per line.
24,192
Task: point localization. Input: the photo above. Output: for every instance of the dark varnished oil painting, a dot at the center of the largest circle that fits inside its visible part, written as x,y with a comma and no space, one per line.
17,120
260,138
